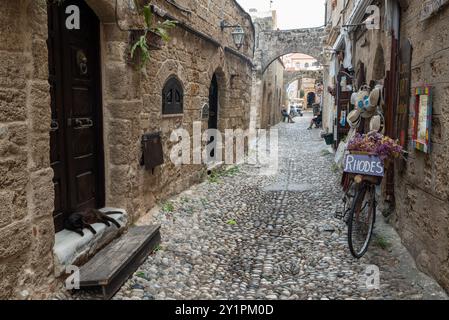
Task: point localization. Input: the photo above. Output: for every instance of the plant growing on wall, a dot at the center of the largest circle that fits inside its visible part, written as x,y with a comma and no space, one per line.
152,36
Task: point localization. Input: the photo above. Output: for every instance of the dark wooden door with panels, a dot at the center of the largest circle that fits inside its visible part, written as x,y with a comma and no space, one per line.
76,133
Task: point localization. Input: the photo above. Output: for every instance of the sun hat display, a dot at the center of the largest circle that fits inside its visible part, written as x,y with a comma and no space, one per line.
368,112
375,96
362,102
354,118
374,100
375,123
361,98
354,98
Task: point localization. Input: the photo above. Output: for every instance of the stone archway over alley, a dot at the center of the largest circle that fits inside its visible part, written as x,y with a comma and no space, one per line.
270,46
247,236
290,76
273,44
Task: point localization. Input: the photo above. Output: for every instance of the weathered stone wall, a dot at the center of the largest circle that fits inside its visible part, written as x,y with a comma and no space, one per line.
131,106
373,49
194,61
422,192
272,93
26,188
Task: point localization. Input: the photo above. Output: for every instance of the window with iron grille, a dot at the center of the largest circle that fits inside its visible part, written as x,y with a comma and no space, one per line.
172,97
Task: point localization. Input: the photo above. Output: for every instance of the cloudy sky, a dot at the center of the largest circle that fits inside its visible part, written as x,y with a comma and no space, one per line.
292,14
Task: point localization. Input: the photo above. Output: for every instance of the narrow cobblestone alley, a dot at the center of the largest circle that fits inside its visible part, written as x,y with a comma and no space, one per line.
246,236
156,150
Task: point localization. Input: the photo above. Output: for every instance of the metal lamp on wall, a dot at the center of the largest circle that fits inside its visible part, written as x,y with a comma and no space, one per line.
238,34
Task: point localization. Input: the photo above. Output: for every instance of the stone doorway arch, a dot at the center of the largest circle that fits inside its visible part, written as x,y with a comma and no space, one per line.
104,9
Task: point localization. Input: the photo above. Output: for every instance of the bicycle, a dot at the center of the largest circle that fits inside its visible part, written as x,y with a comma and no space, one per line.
359,211
362,215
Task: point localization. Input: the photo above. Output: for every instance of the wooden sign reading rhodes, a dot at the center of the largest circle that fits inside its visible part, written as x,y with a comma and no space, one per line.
367,165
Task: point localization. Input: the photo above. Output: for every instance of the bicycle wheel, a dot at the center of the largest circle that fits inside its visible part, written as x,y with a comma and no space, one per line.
349,200
361,220
343,209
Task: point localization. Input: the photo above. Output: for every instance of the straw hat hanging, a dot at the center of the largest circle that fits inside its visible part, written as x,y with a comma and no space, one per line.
354,118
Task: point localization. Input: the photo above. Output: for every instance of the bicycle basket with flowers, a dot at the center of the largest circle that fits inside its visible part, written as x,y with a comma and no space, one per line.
377,144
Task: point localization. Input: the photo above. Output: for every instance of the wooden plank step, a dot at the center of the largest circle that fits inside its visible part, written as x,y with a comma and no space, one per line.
113,265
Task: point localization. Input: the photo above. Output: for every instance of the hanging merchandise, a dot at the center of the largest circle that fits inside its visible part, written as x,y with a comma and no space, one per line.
362,99
347,61
333,66
376,96
343,118
354,119
375,124
375,99
343,83
354,98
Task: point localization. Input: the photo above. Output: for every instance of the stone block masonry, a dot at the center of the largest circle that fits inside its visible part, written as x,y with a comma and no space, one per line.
422,191
132,106
26,188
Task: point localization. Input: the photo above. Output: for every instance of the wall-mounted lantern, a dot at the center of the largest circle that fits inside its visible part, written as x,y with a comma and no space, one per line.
238,34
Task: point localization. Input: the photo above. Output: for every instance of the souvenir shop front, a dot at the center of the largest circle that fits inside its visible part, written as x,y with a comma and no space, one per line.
365,70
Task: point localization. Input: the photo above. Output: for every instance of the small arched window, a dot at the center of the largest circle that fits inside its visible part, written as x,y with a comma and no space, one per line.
172,97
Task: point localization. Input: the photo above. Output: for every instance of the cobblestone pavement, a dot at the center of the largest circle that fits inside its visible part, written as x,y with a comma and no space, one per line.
248,236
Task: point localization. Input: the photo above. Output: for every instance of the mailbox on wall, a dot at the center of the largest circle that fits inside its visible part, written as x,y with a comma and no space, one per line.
152,153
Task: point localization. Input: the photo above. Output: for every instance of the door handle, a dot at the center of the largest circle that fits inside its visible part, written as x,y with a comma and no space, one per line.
54,125
81,123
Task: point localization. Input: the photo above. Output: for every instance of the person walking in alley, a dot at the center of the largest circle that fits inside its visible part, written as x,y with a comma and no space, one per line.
287,116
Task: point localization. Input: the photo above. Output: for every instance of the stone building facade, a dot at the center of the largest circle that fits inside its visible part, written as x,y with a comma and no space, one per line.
272,95
272,81
422,189
200,55
370,48
416,191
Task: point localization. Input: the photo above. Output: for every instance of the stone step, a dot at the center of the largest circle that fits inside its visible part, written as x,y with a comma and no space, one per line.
113,265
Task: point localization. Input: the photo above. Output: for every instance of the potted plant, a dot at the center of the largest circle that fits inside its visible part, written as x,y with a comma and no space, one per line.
329,138
151,38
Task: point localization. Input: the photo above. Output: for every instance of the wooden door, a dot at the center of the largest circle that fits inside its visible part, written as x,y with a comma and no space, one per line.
213,114
76,129
213,103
